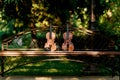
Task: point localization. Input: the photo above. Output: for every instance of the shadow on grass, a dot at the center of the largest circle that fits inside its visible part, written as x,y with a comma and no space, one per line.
49,68
58,66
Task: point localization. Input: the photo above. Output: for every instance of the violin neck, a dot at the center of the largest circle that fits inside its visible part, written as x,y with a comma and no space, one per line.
50,32
67,37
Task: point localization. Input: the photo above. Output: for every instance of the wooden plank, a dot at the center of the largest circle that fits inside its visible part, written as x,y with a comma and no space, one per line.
58,53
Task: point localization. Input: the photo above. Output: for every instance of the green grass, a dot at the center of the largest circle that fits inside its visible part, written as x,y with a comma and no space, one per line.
48,69
33,66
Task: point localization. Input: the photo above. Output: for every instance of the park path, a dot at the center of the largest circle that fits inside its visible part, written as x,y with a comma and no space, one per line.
59,78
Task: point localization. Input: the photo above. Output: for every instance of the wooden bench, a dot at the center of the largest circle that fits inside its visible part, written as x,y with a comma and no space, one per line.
59,53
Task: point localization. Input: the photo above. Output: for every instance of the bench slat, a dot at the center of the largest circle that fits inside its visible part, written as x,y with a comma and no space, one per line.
58,53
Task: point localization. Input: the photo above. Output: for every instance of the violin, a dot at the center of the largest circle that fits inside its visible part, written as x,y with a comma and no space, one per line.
50,36
67,44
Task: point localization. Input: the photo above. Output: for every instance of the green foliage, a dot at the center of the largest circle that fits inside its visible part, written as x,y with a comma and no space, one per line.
76,21
40,16
45,12
16,15
11,1
109,21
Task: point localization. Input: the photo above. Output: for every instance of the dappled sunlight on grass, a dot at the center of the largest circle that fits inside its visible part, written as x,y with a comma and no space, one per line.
61,66
52,70
48,68
40,64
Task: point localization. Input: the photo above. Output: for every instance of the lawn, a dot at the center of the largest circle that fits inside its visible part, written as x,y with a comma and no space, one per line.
39,66
52,66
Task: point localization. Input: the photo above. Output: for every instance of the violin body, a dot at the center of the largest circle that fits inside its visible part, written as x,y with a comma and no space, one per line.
67,45
50,45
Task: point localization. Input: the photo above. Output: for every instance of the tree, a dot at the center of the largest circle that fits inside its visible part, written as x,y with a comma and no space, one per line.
16,15
109,21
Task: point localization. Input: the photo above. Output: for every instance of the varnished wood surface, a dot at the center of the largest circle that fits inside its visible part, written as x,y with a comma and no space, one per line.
58,53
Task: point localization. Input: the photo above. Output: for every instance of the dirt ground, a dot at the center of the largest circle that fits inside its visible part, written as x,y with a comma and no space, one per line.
59,78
